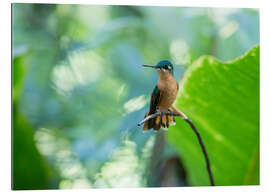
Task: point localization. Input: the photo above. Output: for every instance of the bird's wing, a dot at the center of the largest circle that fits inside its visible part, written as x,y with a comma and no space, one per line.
153,108
154,100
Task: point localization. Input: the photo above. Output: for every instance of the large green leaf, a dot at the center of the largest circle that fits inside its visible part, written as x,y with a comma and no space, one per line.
222,99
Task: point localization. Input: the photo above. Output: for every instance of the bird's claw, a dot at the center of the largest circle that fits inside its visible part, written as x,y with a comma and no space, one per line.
162,113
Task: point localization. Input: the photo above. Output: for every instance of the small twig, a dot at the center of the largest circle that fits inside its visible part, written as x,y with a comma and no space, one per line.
178,113
156,115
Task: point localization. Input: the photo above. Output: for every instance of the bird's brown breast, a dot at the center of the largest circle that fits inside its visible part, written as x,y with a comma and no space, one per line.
168,90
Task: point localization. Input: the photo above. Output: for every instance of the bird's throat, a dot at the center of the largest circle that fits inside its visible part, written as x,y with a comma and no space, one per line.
165,76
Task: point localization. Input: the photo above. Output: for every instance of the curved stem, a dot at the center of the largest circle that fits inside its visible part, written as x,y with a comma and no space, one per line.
203,150
178,113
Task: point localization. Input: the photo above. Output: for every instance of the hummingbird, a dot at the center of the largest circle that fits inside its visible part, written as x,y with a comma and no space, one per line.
163,97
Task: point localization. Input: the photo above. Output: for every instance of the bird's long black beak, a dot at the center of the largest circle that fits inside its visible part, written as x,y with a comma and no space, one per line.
149,66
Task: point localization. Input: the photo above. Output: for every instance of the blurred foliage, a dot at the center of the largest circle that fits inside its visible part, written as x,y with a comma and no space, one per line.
23,144
80,89
223,101
27,174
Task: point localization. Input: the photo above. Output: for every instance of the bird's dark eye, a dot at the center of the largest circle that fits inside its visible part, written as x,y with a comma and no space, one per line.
166,67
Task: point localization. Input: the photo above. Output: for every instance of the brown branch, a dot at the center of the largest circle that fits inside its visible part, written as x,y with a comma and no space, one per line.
178,113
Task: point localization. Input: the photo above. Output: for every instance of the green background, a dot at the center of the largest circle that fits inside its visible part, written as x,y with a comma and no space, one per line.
79,90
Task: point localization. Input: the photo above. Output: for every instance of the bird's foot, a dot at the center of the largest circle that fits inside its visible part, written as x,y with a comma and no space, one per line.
161,112
173,123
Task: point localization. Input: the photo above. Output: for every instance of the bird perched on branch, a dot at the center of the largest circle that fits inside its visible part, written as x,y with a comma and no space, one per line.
161,113
163,97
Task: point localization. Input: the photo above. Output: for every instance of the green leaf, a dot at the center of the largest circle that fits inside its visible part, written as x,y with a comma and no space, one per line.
29,169
222,99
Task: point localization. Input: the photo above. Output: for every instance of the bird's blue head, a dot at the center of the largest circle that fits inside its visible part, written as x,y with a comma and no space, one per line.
164,65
